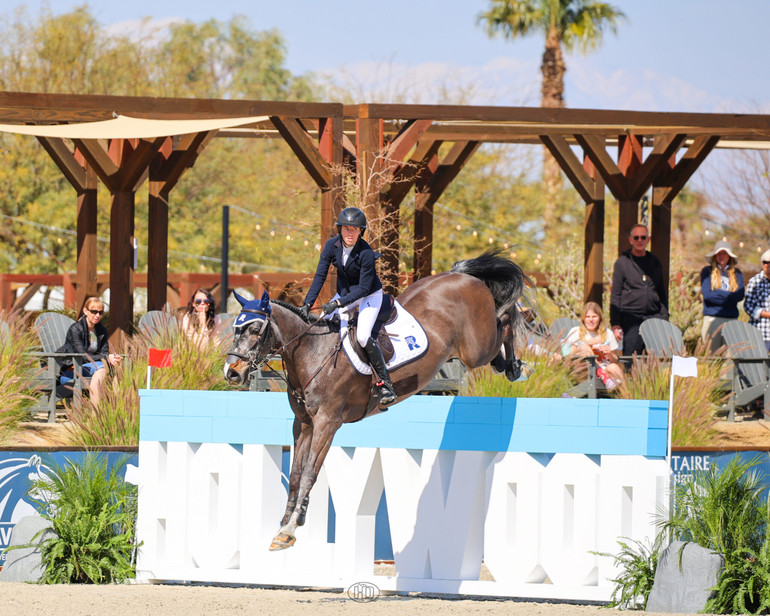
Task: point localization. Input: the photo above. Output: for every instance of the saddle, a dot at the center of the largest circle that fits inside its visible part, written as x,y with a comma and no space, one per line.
386,315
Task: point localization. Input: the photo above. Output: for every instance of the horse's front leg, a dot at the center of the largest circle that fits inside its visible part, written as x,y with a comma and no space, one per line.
321,436
303,434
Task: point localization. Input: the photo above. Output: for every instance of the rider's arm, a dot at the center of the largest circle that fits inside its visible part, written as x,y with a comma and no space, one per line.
320,273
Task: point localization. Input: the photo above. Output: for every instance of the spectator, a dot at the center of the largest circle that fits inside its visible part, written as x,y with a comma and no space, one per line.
757,304
88,336
638,291
200,321
592,337
721,284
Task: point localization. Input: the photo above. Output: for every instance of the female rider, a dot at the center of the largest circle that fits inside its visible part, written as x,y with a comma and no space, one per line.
357,285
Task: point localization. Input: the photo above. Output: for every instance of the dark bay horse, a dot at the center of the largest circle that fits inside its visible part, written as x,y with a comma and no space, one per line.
468,313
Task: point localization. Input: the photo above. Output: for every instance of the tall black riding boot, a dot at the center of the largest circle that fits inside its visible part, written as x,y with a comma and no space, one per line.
377,361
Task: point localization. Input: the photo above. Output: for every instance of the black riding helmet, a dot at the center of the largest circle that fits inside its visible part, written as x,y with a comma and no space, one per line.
351,217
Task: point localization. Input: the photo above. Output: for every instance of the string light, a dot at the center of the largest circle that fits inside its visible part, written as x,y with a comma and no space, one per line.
491,240
307,243
459,227
475,233
258,227
272,233
288,237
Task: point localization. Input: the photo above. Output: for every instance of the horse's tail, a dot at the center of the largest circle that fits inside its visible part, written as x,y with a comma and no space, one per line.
503,277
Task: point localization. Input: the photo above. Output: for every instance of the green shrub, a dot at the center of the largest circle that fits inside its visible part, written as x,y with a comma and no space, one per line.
744,586
722,509
638,563
17,372
93,513
114,420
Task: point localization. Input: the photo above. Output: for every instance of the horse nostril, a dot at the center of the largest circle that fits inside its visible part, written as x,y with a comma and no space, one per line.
233,376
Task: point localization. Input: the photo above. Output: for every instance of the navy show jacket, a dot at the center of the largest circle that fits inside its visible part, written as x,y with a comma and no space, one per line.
355,280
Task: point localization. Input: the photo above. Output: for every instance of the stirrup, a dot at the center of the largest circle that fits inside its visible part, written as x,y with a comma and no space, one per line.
387,395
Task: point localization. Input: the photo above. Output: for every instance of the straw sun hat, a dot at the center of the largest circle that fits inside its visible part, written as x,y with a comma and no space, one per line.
721,245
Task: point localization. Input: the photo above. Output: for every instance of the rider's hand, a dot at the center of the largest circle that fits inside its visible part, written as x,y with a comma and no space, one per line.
305,310
331,306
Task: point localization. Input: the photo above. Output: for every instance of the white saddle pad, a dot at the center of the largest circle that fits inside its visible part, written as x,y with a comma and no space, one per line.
406,334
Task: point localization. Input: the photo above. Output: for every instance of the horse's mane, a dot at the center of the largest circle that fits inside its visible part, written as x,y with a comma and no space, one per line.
312,318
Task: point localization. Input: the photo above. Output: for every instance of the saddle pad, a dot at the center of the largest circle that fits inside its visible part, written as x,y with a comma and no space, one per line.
407,335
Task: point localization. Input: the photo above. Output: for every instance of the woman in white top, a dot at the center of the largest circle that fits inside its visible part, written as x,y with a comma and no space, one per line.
593,337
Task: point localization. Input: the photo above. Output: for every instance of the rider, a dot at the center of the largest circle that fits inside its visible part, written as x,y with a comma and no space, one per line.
357,285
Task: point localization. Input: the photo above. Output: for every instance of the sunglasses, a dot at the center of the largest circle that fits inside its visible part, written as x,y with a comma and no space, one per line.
198,302
640,237
765,262
99,312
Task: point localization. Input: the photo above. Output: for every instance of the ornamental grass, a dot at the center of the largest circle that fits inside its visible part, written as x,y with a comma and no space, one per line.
114,420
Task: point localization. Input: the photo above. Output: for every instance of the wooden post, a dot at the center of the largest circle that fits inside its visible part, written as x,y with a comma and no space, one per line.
629,162
86,238
121,266
593,258
157,231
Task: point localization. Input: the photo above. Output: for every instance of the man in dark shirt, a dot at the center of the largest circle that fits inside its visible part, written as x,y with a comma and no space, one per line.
638,291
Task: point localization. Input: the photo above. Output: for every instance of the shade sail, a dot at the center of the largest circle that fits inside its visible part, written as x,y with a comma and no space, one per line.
125,127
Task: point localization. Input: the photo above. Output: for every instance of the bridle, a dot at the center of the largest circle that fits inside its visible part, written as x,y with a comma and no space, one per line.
257,364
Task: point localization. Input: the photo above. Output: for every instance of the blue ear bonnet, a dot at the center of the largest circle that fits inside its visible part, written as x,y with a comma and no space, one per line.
252,309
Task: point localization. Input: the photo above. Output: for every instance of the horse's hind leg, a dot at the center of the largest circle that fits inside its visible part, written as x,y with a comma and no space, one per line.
510,364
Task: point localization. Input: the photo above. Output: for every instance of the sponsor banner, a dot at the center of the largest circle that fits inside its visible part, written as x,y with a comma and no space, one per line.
18,470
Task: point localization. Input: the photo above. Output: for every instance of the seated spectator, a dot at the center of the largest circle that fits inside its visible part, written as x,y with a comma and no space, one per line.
722,289
593,337
88,336
200,322
757,303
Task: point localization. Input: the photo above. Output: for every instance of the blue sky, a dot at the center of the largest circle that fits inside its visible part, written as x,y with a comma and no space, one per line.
671,55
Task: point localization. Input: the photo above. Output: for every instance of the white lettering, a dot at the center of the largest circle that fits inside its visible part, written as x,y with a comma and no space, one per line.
686,465
5,534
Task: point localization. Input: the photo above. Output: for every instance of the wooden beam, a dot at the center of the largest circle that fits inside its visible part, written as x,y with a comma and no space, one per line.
96,155
86,239
330,147
675,179
570,165
121,267
665,147
429,188
64,158
304,148
613,177
593,238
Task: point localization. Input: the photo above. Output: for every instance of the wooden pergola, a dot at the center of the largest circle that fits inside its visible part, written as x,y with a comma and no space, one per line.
393,149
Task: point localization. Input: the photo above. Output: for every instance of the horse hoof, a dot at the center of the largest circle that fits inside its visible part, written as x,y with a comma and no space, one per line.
513,370
282,541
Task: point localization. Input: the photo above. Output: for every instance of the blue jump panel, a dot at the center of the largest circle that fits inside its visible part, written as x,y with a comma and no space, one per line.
533,425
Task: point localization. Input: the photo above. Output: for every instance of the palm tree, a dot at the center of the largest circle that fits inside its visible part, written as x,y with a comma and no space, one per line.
575,24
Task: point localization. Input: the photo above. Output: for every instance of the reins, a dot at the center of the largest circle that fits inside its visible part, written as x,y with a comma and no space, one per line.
264,362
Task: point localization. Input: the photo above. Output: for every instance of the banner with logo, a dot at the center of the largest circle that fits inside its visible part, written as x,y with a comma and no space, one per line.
18,469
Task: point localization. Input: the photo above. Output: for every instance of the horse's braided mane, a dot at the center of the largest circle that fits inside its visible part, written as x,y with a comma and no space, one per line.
296,310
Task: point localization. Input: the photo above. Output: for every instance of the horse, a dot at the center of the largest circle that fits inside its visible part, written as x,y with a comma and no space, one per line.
469,312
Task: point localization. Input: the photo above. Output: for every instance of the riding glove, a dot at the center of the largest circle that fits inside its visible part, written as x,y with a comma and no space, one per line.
331,306
305,310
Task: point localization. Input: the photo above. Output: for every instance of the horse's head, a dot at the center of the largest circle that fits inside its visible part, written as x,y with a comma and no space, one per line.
252,338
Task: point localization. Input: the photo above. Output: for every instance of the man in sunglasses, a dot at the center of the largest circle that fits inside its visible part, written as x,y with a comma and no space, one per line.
757,302
638,291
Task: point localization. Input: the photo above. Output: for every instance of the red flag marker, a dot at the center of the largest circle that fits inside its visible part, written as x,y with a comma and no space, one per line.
160,358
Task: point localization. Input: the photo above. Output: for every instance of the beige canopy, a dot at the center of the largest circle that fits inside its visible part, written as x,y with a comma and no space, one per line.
125,127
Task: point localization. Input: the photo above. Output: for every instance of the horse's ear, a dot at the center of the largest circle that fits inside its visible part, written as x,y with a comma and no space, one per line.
241,300
265,302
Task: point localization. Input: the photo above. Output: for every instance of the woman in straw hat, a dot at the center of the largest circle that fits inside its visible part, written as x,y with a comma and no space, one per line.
722,287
